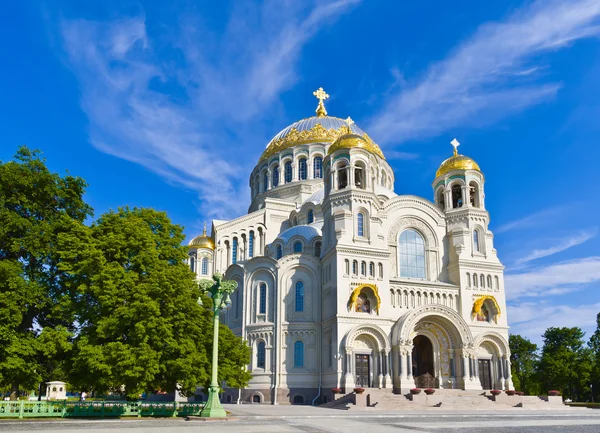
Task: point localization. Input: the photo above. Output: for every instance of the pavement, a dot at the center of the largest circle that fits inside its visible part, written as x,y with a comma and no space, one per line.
307,419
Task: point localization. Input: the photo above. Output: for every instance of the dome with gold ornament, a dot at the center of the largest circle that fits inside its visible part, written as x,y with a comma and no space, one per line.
317,129
351,140
457,162
202,241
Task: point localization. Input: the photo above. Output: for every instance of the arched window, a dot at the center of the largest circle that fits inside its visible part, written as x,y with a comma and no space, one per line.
262,301
457,200
359,178
342,177
489,282
468,279
234,251
302,170
265,181
363,268
318,167
311,216
298,399
192,264
275,177
380,270
355,267
441,199
475,281
298,247
287,173
371,269
347,267
261,355
360,224
204,266
251,244
412,254
279,252
299,296
496,283
482,281
318,249
298,354
476,244
474,194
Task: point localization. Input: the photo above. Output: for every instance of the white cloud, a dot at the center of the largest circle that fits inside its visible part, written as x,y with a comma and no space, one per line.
531,220
543,280
488,76
563,245
176,118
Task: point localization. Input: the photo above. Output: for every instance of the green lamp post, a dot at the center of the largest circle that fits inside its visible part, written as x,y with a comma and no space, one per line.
219,291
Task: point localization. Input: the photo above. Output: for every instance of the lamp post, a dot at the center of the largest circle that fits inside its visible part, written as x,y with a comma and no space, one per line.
219,291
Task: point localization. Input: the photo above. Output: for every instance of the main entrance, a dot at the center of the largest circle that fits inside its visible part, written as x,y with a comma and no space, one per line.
485,374
422,362
362,369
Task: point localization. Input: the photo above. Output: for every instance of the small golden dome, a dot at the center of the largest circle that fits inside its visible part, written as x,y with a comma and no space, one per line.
202,241
348,141
456,162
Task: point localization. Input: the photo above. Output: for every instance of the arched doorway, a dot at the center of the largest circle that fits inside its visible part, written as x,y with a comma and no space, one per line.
422,362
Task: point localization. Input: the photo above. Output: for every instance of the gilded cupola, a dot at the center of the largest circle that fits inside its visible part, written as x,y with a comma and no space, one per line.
457,162
351,140
202,241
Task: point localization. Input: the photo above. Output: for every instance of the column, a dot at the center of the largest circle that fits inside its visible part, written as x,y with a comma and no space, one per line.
409,365
389,369
465,194
509,384
381,369
476,363
403,365
448,199
396,355
465,369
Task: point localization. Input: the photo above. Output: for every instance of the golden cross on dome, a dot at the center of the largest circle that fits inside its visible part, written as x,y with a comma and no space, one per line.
321,96
349,123
455,143
204,233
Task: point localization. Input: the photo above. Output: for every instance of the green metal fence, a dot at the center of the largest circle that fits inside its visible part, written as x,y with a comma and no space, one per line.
96,409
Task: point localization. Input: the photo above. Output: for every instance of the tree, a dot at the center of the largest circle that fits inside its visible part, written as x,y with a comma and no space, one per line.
36,206
141,328
594,345
524,360
565,363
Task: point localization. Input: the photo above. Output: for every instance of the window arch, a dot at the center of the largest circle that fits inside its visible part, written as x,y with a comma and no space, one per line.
251,244
265,181
311,216
468,279
275,177
261,355
474,194
279,253
363,268
318,249
489,282
482,281
205,266
299,296
298,354
262,301
380,270
298,247
347,262
302,169
476,244
457,198
412,254
318,167
360,224
355,267
192,264
496,283
475,281
234,251
287,172
359,176
371,269
342,174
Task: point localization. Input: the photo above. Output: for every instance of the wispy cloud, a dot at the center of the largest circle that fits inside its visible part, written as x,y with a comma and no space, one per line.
176,117
489,76
531,220
545,280
562,245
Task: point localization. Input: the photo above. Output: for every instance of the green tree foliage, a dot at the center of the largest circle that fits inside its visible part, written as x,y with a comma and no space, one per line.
524,362
565,363
594,345
36,206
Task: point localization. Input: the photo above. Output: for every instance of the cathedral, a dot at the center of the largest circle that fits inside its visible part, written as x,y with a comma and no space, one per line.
343,283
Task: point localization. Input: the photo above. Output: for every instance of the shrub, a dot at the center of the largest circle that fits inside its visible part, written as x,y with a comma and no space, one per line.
553,392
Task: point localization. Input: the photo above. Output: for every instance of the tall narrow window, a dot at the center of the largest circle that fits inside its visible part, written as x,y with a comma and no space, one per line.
302,169
342,177
482,281
475,281
265,181
234,251
262,301
441,200
298,247
371,269
347,263
318,249
279,252
489,282
275,177
311,216
359,178
260,355
363,268
412,254
204,266
192,264
318,167
380,270
457,200
476,241
288,172
299,296
360,225
298,354
496,283
251,244
355,267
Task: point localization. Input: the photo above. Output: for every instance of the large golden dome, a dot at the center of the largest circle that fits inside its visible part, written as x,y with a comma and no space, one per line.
202,241
348,141
457,162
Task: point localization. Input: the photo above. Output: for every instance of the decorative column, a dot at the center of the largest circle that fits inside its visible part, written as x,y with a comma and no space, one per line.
396,356
381,369
448,200
409,372
465,369
465,195
509,384
349,379
389,370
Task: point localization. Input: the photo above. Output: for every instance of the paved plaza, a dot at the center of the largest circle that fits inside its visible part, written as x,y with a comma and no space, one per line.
284,419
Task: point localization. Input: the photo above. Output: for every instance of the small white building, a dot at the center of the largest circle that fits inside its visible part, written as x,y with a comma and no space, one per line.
56,390
343,282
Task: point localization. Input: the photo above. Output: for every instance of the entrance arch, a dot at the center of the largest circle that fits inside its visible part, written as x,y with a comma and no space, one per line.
422,362
367,361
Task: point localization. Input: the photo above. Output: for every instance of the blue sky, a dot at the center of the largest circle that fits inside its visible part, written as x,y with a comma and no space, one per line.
170,104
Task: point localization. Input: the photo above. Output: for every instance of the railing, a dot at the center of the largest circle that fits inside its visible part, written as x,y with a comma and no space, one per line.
96,409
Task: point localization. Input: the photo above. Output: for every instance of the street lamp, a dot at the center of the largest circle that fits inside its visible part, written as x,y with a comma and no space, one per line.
219,291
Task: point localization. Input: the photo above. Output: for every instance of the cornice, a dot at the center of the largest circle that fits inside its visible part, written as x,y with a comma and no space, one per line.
424,284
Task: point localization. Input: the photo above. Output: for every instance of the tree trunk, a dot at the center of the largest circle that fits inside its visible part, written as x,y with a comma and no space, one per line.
14,392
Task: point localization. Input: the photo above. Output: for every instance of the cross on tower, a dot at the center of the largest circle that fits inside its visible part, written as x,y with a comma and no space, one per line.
349,123
455,143
321,96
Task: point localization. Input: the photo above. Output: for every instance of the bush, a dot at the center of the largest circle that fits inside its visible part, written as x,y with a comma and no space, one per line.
553,393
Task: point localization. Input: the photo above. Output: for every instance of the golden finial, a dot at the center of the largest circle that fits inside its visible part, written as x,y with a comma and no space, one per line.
321,96
455,143
204,232
349,122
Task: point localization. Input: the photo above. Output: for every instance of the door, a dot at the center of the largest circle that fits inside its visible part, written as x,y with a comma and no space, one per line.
485,374
362,370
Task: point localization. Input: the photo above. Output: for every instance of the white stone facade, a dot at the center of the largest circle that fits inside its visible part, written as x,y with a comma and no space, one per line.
344,283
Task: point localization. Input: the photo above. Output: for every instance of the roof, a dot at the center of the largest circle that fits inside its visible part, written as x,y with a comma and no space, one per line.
306,231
